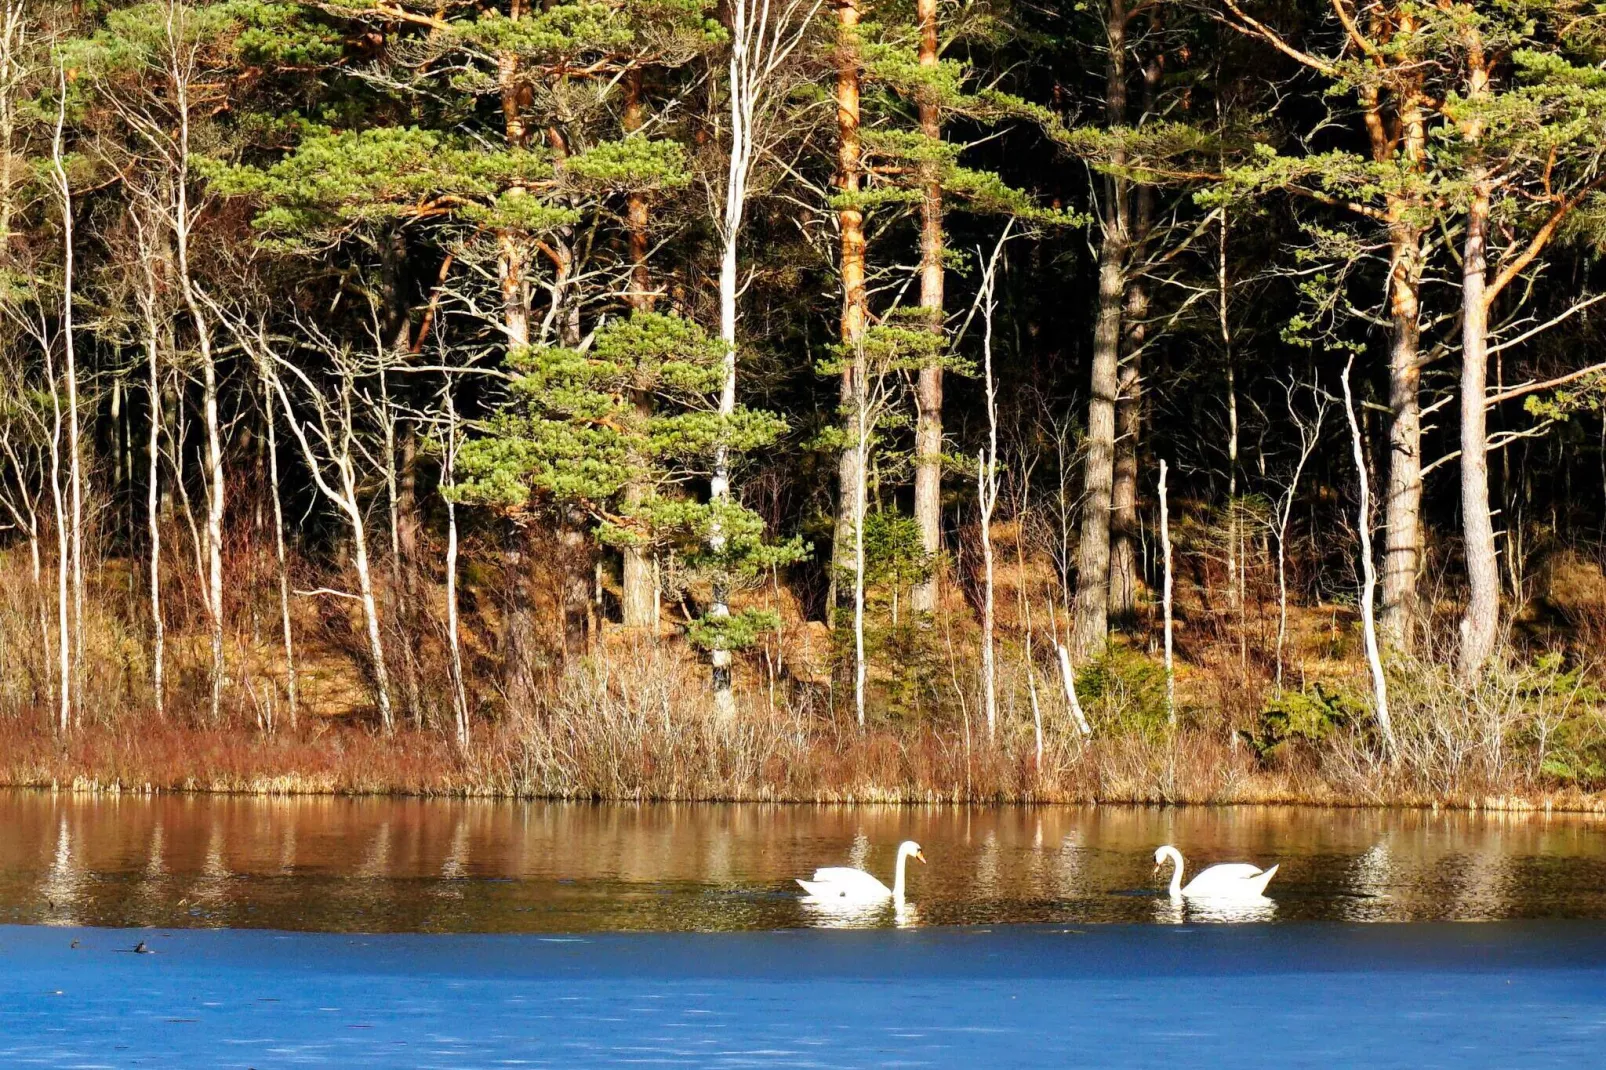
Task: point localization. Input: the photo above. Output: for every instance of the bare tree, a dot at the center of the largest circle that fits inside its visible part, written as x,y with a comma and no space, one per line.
69,347
1374,660
325,424
163,120
149,289
451,438
1309,430
1165,549
987,491
271,420
764,34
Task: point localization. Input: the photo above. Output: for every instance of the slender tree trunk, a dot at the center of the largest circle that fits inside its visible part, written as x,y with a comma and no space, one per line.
986,490
454,644
639,591
182,220
370,604
65,689
519,638
928,390
1098,472
13,36
861,433
116,429
1124,490
1165,549
404,613
279,556
850,222
1480,625
153,479
719,483
761,40
1374,659
75,468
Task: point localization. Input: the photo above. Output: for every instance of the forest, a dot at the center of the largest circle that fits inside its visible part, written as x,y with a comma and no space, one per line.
1157,400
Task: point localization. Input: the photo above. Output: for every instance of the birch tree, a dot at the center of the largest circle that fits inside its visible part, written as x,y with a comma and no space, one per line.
764,34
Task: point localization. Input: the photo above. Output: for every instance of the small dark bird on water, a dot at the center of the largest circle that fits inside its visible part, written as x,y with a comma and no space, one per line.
73,945
141,949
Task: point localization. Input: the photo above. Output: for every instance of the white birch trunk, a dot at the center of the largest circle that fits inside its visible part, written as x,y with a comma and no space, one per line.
453,642
75,477
1165,601
984,481
764,33
1068,681
1374,660
862,448
153,473
279,556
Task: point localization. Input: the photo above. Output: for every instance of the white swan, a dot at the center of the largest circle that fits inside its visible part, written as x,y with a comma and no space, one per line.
1233,880
842,883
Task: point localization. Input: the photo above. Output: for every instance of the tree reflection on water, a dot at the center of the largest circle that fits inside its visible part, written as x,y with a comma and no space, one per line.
345,864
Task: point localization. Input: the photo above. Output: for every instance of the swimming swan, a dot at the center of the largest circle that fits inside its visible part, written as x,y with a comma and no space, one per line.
1234,880
855,885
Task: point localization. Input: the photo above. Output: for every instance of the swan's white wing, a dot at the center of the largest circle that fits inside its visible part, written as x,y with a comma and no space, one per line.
1231,878
845,883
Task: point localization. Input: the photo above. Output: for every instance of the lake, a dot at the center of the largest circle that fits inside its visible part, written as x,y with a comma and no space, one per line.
370,932
387,865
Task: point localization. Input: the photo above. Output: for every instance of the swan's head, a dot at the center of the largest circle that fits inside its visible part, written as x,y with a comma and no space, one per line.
911,849
1161,854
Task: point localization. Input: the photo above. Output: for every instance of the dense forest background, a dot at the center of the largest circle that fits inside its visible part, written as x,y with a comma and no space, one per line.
1157,399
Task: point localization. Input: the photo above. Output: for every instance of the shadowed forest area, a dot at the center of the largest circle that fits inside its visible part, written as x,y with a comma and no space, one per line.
1150,400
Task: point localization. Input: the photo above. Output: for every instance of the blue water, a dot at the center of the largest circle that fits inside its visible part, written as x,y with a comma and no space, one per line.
1504,994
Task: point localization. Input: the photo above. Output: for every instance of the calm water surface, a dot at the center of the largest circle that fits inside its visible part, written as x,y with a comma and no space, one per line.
432,866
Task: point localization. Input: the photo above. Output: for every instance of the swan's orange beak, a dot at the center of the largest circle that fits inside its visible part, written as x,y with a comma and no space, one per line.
921,855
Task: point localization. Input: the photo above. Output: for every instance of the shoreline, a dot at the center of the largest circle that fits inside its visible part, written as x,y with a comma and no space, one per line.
1583,804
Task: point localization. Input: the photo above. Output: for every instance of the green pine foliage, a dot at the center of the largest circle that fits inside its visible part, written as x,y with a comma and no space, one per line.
636,409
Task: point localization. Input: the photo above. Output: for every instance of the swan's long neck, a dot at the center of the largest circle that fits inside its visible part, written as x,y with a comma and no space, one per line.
897,876
1176,871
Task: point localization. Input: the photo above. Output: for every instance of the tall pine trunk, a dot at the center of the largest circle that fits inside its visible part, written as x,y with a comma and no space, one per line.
928,390
639,590
1124,533
850,222
1480,624
1098,471
519,638
1402,502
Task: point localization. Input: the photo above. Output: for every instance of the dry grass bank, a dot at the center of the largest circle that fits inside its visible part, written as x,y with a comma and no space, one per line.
637,732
